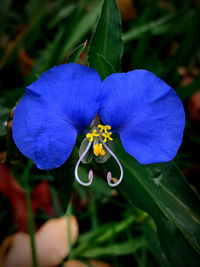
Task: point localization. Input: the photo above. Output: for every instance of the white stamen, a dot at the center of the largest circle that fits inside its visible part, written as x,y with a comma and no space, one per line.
109,175
90,175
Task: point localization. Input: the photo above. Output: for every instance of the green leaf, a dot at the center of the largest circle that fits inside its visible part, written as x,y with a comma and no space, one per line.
102,234
106,67
78,27
106,46
117,249
154,245
151,26
61,14
75,54
162,191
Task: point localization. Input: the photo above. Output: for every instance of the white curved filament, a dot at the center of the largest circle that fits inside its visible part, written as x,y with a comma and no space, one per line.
90,175
109,175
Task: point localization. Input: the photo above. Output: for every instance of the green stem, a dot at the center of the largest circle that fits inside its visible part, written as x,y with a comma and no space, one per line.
55,200
30,217
69,234
31,227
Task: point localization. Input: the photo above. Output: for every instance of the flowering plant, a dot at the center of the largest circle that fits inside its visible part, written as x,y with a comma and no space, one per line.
138,106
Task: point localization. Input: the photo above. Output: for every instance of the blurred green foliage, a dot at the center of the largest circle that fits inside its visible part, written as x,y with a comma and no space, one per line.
160,36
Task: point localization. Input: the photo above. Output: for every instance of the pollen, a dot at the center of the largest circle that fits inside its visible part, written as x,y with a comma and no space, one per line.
98,149
105,128
107,136
92,135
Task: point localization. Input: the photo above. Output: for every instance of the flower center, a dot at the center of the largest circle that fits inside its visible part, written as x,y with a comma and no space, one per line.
100,137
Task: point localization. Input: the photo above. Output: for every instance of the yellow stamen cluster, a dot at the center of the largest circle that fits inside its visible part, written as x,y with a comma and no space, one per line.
107,136
98,149
103,131
92,135
105,128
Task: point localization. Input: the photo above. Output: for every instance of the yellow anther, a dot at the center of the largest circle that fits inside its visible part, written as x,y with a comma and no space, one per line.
101,150
89,136
107,136
98,149
105,128
92,135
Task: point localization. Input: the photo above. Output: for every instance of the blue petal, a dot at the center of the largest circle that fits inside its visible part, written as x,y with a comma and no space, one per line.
62,102
147,114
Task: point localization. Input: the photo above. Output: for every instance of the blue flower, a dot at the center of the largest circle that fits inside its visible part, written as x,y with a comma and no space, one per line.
145,112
